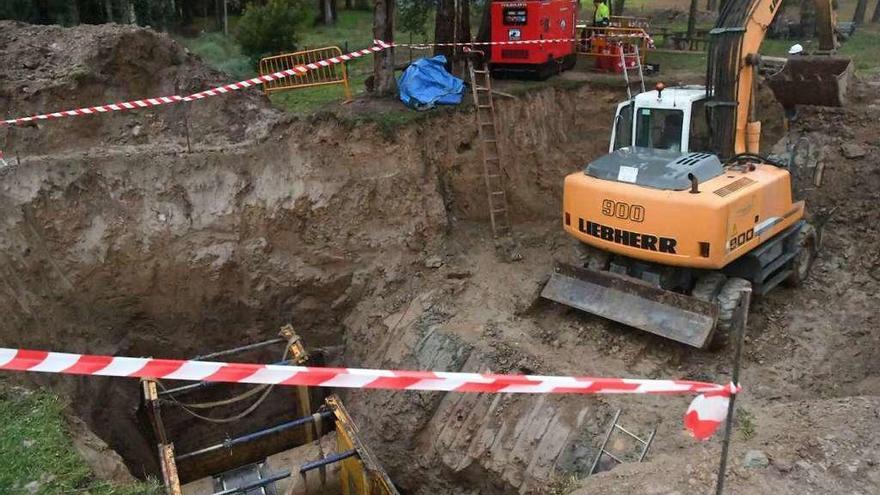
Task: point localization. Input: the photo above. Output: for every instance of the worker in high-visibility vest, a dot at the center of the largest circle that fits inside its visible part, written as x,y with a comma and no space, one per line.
601,14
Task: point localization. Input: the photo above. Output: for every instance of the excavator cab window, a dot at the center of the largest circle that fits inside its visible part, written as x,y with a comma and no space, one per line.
659,128
623,126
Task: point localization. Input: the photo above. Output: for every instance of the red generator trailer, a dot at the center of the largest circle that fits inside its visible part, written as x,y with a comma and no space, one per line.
532,20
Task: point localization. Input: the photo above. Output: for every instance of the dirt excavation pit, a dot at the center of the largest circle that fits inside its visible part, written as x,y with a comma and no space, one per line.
379,252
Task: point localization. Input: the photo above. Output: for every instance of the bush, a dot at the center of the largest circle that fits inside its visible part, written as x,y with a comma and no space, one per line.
271,28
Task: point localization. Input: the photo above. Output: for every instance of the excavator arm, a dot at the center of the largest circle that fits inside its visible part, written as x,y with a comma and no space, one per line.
733,62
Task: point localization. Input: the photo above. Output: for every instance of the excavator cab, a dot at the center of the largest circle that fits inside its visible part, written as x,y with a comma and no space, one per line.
670,119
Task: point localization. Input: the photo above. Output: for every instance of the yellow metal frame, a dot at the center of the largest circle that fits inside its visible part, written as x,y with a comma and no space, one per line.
361,474
322,76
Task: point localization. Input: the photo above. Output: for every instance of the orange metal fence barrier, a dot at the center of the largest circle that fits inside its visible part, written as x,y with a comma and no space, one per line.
332,74
606,44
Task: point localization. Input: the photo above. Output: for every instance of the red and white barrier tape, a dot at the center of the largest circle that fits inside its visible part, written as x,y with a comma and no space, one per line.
226,88
704,415
378,46
429,46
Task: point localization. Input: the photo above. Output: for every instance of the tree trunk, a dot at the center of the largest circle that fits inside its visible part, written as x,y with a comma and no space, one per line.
484,33
711,5
108,10
225,19
326,12
618,7
452,25
808,19
132,16
348,5
383,62
218,13
876,17
692,20
859,15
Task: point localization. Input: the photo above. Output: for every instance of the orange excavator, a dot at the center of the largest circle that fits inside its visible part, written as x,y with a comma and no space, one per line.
683,213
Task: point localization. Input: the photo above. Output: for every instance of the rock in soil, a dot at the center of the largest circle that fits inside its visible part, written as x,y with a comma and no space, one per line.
756,459
853,151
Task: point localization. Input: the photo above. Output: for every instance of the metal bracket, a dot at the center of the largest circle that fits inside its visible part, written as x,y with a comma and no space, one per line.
294,344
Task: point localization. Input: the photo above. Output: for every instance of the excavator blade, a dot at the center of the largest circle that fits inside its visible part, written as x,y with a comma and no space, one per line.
634,303
813,80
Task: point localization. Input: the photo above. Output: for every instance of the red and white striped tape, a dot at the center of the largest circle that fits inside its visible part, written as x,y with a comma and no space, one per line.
429,46
702,419
378,46
219,90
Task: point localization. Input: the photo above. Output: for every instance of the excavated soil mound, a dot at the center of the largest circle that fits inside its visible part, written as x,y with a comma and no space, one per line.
50,68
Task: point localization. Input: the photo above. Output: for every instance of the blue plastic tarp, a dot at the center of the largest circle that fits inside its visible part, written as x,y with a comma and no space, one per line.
426,83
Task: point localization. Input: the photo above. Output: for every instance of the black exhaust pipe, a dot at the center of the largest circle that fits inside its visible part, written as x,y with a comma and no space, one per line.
695,184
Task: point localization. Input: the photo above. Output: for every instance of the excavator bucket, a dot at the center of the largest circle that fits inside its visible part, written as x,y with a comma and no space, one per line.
634,303
814,80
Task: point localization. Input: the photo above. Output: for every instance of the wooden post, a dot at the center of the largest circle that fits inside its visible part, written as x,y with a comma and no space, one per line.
169,469
383,62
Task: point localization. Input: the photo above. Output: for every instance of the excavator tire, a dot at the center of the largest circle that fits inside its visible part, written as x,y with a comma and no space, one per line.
728,299
803,261
708,286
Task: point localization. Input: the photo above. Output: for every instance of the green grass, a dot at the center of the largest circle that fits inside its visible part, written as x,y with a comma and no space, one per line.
222,53
864,48
746,423
673,62
35,447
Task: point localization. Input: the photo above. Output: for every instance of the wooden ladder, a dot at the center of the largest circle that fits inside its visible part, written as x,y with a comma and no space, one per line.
481,88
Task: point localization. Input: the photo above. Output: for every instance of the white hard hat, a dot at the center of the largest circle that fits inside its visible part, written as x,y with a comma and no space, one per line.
795,49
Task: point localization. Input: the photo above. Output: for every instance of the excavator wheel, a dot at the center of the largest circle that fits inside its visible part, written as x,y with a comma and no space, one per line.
708,286
728,299
592,258
803,261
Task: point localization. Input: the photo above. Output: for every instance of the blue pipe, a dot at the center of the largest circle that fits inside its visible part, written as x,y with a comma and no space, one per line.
330,459
232,442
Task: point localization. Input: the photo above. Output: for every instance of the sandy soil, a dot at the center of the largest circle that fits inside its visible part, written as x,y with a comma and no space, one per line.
382,247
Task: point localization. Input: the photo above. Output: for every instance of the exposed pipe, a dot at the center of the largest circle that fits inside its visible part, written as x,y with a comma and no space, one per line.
695,183
239,349
249,437
330,459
